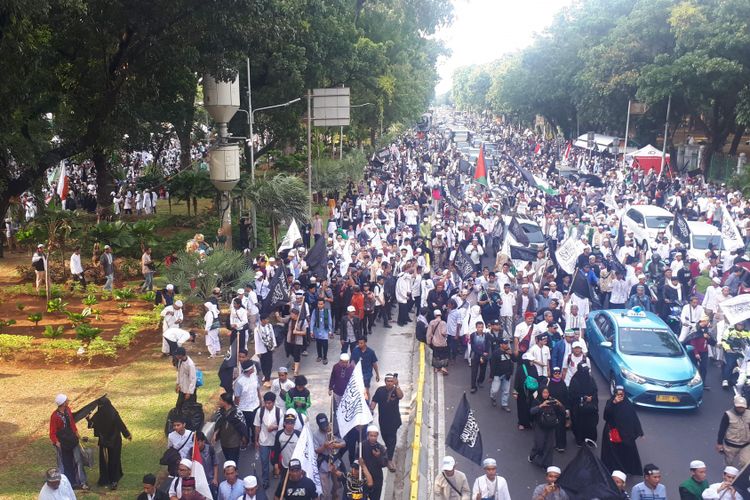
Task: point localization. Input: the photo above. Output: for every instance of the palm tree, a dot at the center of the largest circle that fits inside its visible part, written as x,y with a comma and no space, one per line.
282,197
189,185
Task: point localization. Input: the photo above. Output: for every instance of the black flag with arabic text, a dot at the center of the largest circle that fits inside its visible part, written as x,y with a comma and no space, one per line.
464,436
278,293
463,264
517,231
681,230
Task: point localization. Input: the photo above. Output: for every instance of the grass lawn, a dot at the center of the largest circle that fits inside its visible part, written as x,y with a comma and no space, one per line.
142,391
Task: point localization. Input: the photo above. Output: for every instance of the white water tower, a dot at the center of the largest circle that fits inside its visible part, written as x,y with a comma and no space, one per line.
222,100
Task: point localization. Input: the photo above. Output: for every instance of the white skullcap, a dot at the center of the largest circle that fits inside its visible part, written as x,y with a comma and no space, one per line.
240,291
437,312
60,399
373,428
489,462
732,471
344,357
187,463
178,303
554,469
697,464
740,402
250,482
170,287
230,463
351,309
619,475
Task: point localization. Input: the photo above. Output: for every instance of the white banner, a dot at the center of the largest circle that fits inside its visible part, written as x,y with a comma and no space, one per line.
730,235
736,309
353,409
568,253
292,235
304,451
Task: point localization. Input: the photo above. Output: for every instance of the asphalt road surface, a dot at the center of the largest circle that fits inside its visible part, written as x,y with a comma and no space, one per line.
672,439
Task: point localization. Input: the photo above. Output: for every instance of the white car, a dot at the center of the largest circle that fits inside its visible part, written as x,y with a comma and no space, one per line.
532,230
702,234
645,221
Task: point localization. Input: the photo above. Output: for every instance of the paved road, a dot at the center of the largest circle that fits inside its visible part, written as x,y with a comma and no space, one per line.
671,439
394,348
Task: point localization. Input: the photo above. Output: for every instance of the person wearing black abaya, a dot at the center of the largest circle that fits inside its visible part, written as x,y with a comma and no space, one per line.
546,413
621,429
110,429
524,397
559,391
584,405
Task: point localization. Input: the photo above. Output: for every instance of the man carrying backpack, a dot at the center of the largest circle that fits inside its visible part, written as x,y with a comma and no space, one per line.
267,422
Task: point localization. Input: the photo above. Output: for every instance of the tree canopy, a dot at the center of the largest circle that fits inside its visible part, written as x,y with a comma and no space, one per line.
597,55
80,75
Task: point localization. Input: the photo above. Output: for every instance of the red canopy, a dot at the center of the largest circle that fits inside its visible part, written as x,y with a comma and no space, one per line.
648,158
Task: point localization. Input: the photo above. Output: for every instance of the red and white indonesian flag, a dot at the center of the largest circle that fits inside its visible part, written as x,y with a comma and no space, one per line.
199,473
304,451
353,409
62,182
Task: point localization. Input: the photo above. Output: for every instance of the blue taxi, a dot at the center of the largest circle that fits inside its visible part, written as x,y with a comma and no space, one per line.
637,350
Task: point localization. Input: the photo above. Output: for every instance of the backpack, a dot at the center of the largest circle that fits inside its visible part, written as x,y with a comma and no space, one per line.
530,383
548,419
277,410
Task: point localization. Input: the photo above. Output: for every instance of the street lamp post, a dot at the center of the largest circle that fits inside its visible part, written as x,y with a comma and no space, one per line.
341,135
250,121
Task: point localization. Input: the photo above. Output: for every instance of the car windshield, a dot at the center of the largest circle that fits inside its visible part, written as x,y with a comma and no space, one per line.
533,232
658,221
702,241
638,342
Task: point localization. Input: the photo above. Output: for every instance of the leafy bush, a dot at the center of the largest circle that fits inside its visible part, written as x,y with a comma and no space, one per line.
123,305
101,347
87,333
149,296
226,267
56,305
14,343
90,300
20,306
4,323
81,318
126,293
35,318
52,332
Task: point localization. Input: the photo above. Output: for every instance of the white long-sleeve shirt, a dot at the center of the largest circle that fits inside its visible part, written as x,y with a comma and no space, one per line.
75,264
403,288
484,488
171,318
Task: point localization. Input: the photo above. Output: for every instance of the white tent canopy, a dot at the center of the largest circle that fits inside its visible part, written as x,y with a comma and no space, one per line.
602,142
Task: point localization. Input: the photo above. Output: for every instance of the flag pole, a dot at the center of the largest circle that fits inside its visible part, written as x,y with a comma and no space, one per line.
283,486
664,146
627,130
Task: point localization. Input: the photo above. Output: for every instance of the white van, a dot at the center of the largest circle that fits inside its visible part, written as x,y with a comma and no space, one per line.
646,221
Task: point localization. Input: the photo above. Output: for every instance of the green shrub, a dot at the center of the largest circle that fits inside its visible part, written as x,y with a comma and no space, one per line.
149,296
56,305
126,293
20,306
4,323
55,291
14,343
90,300
35,318
81,318
101,347
52,332
87,333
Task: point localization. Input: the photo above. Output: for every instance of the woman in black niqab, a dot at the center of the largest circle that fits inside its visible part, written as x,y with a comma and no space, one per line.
110,429
584,405
620,414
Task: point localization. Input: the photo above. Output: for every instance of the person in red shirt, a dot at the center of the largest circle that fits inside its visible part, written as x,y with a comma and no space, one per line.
65,438
358,301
